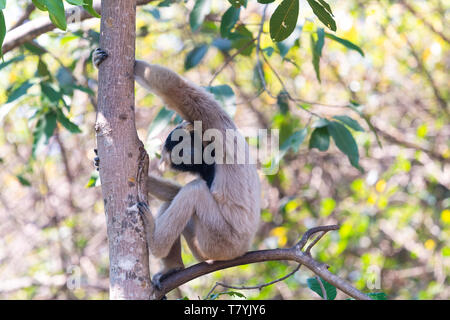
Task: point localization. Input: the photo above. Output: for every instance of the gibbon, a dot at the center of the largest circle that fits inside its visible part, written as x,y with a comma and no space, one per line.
217,213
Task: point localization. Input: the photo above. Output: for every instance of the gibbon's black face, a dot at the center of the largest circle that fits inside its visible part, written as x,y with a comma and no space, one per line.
206,171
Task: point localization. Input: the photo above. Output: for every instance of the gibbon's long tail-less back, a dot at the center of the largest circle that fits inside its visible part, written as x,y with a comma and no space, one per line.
220,221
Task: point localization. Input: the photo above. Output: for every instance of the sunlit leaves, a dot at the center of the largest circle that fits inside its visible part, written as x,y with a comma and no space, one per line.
198,13
348,44
194,57
323,11
284,20
314,285
2,4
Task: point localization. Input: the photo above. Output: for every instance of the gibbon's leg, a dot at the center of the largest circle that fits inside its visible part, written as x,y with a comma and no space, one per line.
195,213
173,261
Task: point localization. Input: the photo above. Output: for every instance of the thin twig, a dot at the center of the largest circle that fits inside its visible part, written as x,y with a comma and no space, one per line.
259,286
229,60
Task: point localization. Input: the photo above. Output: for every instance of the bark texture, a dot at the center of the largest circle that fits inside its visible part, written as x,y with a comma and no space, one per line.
122,157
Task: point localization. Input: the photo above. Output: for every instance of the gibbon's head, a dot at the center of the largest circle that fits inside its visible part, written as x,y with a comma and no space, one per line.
187,155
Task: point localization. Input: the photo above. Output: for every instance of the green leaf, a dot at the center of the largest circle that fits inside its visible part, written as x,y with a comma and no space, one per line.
320,139
229,19
346,43
316,48
52,95
314,285
40,4
326,6
88,6
2,31
23,181
159,123
195,56
20,91
265,1
323,14
241,38
238,3
377,295
56,13
294,141
93,180
349,122
198,13
76,2
82,88
44,130
283,102
284,20
42,69
15,59
33,48
344,141
354,106
2,4
225,96
66,123
286,45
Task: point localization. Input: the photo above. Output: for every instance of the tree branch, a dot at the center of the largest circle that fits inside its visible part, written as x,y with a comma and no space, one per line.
291,254
34,28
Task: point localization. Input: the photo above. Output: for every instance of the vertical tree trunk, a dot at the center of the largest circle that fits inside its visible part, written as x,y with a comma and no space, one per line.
122,157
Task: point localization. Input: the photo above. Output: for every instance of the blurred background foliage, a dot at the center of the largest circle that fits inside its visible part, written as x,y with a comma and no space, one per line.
394,210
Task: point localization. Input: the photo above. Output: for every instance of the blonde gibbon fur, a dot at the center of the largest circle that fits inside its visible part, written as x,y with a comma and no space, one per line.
219,222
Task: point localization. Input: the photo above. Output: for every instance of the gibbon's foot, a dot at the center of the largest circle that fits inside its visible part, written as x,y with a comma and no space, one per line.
143,208
161,276
96,160
98,56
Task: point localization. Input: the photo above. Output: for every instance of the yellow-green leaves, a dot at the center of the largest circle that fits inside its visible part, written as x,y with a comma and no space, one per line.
346,43
284,20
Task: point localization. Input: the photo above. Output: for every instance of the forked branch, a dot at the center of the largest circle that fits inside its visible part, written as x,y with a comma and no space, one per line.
294,253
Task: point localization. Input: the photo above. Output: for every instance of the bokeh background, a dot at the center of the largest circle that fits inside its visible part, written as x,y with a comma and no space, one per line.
394,214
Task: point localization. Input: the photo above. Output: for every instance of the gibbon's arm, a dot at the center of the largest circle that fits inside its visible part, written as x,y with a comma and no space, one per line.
193,103
161,188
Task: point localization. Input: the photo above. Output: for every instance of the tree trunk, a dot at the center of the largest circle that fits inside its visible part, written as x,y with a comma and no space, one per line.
122,157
